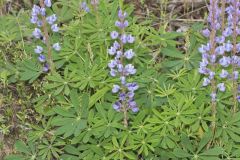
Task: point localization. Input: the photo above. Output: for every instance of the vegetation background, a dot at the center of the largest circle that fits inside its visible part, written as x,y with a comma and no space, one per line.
68,115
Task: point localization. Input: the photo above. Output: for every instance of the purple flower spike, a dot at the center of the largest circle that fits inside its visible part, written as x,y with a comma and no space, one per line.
119,67
39,14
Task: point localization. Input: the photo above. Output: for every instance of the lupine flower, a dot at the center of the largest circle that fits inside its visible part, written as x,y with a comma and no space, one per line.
220,50
213,96
221,87
37,33
130,39
116,88
35,10
114,34
48,3
211,75
206,32
225,61
45,67
223,74
51,19
55,28
227,32
119,68
235,75
228,46
238,98
220,39
38,50
42,58
34,19
39,23
129,54
43,11
206,82
56,46
117,106
84,7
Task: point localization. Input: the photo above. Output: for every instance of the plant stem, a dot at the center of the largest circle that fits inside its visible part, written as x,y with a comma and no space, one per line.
223,14
234,82
47,40
213,81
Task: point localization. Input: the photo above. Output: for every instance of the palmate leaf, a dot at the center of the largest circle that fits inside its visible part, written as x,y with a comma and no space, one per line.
197,152
73,120
61,84
229,127
29,71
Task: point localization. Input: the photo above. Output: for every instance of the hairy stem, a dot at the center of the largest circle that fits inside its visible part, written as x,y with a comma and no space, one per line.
234,37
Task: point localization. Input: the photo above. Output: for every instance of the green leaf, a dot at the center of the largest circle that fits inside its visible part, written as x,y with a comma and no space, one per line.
213,152
172,52
21,147
181,153
14,157
98,95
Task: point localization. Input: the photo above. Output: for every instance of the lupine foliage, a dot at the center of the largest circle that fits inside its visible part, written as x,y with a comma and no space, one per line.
117,87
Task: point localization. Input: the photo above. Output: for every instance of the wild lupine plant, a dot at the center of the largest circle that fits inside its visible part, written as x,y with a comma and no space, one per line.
119,67
41,32
219,56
